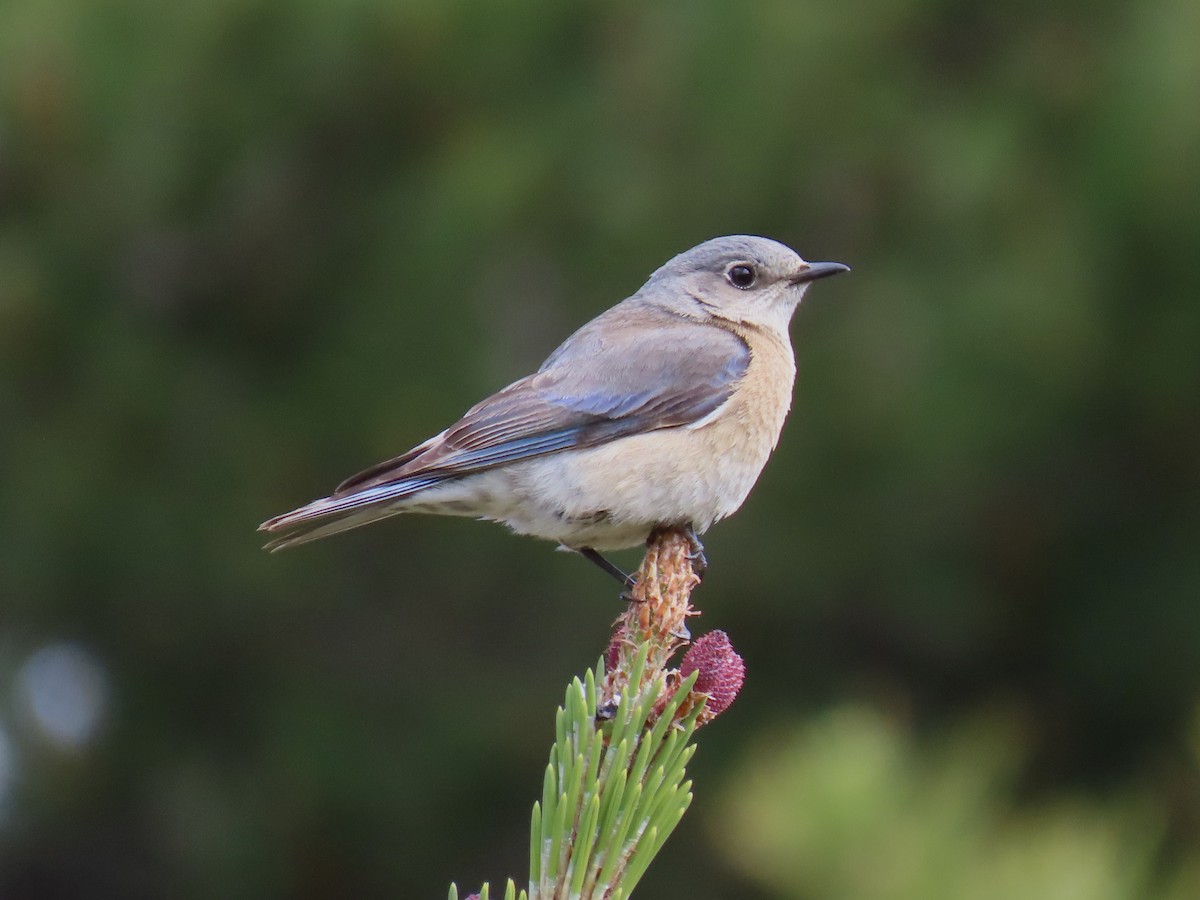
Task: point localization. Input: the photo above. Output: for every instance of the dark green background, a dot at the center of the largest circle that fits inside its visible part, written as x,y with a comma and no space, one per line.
248,248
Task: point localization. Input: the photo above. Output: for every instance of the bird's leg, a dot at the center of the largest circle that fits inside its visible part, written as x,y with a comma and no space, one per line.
696,552
627,581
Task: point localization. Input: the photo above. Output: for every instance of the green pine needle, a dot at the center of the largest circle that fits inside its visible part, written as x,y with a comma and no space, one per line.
615,786
510,892
604,815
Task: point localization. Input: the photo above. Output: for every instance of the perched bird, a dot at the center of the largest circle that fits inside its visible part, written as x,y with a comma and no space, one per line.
660,412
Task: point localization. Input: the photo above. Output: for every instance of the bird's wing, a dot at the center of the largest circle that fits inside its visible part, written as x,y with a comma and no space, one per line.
611,379
602,385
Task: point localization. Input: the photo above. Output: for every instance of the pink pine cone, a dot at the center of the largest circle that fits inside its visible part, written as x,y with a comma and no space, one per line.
722,671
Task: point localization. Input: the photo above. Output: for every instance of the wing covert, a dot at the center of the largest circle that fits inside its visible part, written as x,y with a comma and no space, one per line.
609,380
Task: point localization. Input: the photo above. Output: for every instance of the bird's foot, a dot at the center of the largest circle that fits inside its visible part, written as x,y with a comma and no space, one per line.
627,581
696,553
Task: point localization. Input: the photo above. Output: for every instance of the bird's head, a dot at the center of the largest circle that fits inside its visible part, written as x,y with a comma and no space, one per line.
739,278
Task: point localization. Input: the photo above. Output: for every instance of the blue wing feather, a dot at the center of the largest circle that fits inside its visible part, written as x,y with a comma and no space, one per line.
622,374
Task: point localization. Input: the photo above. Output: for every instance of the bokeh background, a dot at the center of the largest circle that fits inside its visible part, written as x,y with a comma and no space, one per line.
248,248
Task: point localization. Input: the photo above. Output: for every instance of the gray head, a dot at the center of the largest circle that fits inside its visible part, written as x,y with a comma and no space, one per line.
740,277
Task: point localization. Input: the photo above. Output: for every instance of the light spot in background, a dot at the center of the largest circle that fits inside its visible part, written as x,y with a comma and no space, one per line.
64,689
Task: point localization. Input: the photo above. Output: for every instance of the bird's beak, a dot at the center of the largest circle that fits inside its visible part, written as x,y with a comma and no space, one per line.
814,270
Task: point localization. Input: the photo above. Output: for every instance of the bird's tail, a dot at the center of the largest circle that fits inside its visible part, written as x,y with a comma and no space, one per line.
335,514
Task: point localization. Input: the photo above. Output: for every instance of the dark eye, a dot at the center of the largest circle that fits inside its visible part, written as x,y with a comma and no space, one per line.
741,276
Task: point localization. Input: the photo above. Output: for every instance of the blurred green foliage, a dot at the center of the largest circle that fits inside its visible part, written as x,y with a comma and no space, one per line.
247,248
851,806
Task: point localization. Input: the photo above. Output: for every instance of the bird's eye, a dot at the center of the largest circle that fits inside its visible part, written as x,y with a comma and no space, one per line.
741,276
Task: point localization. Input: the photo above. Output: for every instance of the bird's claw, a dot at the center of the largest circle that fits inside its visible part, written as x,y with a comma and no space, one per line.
627,593
696,553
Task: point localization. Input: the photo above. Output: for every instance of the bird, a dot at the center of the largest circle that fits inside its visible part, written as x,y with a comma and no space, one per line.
661,412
